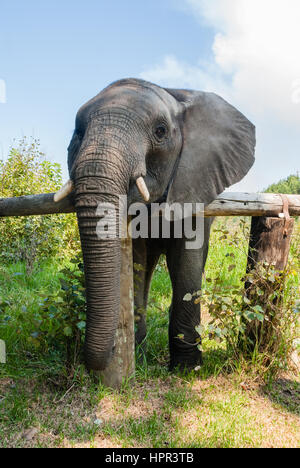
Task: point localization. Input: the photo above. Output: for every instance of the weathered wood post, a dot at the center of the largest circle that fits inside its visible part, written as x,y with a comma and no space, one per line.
122,366
270,241
269,246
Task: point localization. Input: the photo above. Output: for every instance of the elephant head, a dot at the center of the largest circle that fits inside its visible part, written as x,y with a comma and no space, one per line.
144,141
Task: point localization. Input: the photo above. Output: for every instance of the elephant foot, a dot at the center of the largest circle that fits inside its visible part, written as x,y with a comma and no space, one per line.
185,361
184,367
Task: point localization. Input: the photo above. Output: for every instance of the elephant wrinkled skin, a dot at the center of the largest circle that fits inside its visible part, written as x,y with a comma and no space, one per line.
188,146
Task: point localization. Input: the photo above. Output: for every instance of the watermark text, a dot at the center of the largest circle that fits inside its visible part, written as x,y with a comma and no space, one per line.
154,221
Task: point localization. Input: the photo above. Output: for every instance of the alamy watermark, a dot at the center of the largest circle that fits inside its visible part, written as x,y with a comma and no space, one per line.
155,221
296,91
2,92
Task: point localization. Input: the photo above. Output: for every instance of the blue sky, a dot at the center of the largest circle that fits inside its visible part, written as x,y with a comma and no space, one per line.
55,55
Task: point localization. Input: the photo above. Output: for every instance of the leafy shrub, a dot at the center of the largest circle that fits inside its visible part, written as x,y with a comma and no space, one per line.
27,172
257,318
289,185
60,321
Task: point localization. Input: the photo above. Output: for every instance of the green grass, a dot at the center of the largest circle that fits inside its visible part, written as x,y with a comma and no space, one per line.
220,251
217,406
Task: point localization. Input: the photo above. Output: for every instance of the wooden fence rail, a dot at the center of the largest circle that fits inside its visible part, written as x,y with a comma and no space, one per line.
227,204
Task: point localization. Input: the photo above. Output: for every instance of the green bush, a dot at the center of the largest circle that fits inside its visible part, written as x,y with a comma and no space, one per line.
257,319
27,172
289,185
59,322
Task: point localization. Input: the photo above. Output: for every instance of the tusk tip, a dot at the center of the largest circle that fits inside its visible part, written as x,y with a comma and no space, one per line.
141,185
64,191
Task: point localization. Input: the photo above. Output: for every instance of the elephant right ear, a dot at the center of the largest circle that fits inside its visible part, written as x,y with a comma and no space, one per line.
218,147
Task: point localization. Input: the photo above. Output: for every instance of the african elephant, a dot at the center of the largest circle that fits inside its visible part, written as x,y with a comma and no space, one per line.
150,143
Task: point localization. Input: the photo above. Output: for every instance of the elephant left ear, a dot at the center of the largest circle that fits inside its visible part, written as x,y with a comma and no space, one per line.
218,147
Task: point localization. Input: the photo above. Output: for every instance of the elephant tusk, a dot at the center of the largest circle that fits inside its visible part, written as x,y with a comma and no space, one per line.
141,185
64,191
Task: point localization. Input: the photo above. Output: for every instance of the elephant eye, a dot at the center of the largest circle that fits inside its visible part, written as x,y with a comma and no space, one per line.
160,132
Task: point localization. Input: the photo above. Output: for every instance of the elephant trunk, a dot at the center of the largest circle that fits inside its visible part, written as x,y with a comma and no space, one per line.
102,273
96,186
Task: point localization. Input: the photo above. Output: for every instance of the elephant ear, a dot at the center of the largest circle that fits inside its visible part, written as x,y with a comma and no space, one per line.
218,147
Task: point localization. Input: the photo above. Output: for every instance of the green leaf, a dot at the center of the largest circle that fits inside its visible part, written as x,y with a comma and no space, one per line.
188,297
227,300
81,325
200,329
250,315
260,317
258,308
53,309
218,332
68,331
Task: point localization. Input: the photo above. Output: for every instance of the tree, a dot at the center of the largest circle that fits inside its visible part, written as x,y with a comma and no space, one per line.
289,185
26,172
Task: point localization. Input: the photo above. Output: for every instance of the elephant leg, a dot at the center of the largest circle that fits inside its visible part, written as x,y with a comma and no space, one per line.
146,254
186,268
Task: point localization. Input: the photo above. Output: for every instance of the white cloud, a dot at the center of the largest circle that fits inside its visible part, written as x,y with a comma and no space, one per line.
256,63
257,43
173,73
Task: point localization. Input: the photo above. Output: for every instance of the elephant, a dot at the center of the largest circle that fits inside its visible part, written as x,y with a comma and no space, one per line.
150,143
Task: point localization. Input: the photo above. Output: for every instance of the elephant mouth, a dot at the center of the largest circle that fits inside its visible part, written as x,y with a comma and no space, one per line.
69,187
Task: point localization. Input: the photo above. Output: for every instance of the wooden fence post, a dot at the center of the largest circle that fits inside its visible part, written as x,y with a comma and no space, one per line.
122,365
270,241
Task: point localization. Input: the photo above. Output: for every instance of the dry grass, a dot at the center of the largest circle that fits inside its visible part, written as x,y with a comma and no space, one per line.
217,412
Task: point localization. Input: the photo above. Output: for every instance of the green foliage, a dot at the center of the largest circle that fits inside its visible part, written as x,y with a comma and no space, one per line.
289,185
255,319
61,319
27,172
53,322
